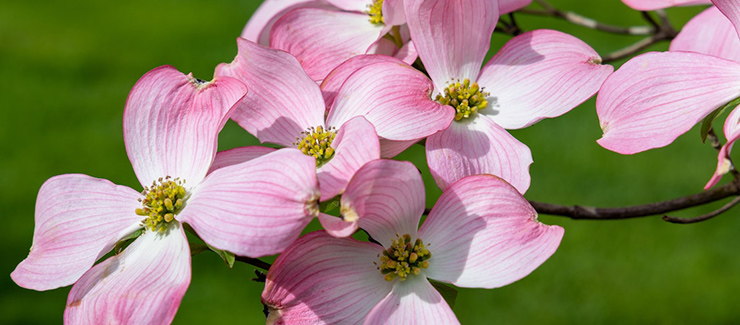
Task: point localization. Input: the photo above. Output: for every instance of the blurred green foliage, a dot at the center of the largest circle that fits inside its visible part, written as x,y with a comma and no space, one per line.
66,69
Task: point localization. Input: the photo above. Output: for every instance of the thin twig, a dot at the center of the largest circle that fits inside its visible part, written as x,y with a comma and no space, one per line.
662,31
707,216
253,261
577,19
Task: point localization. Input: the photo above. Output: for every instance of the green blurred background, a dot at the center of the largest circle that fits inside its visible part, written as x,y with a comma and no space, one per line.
66,69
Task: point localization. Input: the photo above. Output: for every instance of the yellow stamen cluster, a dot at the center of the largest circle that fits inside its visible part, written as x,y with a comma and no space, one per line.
375,11
317,143
162,201
466,98
404,258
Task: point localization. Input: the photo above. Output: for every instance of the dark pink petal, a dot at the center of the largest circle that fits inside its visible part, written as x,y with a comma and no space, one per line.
238,155
482,233
507,6
451,36
322,279
336,78
78,219
732,133
645,5
387,196
731,9
283,101
477,146
394,97
259,25
337,227
655,97
356,144
709,32
142,285
171,123
390,148
258,207
413,301
322,39
540,74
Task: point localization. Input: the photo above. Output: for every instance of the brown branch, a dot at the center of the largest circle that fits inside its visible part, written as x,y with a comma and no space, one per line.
253,261
707,216
662,31
577,19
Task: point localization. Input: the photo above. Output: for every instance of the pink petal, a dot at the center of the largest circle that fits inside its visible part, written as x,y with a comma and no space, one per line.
171,123
732,133
393,12
451,36
731,9
78,219
351,5
283,101
387,196
394,97
507,6
407,53
482,233
477,146
238,155
709,32
336,78
413,301
322,279
142,285
337,227
342,36
645,5
655,97
540,74
258,207
356,143
390,148
259,25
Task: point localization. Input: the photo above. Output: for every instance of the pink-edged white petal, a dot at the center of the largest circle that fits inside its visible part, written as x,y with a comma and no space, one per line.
355,144
645,5
322,279
78,219
732,133
709,32
259,25
142,285
540,74
342,36
351,5
482,233
394,97
655,97
255,208
731,9
390,148
335,79
171,123
452,37
477,146
238,155
283,101
387,197
507,6
336,226
414,301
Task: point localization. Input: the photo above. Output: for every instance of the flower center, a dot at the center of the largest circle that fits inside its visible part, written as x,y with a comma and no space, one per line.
375,11
466,98
317,143
161,202
404,258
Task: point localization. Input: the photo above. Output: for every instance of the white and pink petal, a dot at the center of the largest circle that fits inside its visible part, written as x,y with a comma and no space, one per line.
731,9
709,32
414,301
724,163
645,5
259,25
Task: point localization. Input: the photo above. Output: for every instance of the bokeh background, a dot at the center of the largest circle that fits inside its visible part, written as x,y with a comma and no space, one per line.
67,67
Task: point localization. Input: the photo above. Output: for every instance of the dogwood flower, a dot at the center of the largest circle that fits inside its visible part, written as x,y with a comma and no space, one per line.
170,123
645,5
481,233
536,75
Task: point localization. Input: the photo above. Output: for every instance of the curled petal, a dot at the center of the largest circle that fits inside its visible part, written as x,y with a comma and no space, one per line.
507,6
731,9
478,146
540,74
655,97
171,123
259,25
238,155
390,148
336,226
709,32
483,233
258,207
646,5
142,285
414,301
336,78
78,220
324,279
393,12
732,133
283,101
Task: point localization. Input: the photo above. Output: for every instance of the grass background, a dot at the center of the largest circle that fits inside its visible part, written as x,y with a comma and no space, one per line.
66,69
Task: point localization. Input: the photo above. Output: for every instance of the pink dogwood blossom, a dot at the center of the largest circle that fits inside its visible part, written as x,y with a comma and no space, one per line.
481,233
645,5
170,123
536,75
